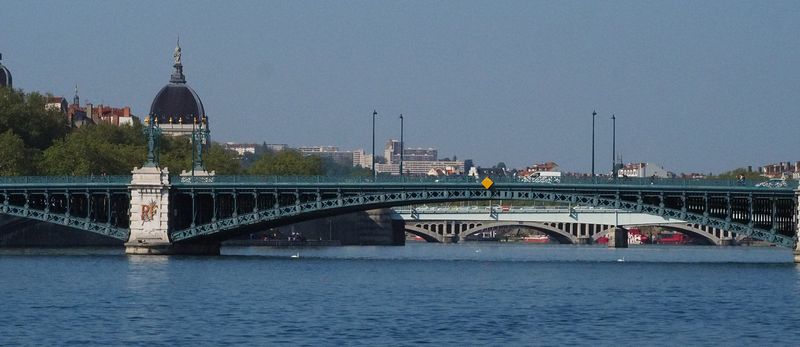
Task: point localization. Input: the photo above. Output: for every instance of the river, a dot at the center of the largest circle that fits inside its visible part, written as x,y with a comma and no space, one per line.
433,294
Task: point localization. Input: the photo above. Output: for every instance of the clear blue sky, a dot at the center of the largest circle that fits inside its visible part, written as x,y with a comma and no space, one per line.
697,86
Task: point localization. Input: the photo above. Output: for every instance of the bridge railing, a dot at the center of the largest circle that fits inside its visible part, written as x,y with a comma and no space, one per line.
389,180
504,209
98,179
630,181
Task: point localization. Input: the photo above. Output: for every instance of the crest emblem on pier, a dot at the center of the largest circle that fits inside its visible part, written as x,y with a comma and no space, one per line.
149,211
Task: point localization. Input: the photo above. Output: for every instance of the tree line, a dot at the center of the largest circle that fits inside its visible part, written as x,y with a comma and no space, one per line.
37,141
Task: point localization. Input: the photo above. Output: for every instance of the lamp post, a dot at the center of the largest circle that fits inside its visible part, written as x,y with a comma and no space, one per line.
613,147
374,173
593,115
401,146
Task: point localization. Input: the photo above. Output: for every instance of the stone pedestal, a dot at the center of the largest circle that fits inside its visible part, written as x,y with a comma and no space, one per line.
618,238
149,210
797,228
150,217
172,249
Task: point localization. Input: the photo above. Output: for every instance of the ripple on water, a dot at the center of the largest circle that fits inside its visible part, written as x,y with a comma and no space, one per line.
418,294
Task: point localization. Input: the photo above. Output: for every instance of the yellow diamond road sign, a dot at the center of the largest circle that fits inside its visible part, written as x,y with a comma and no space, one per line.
487,182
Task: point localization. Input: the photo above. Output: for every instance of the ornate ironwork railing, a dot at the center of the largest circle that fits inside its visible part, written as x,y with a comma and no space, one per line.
97,179
396,180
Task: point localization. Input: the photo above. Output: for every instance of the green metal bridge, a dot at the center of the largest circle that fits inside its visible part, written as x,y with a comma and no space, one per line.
210,209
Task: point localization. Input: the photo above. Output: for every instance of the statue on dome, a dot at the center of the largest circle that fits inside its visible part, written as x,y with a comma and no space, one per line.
177,54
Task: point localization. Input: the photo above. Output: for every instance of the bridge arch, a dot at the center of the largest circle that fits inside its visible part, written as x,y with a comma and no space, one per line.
691,230
602,233
241,224
558,234
686,229
72,222
427,235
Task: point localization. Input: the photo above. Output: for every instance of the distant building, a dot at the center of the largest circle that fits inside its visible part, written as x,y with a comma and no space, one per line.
421,168
780,169
548,166
416,161
392,153
318,149
361,158
56,103
329,153
5,75
276,147
241,148
78,116
643,170
445,171
537,169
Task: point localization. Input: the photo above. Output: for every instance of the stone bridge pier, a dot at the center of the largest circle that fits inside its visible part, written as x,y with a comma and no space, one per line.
149,217
797,226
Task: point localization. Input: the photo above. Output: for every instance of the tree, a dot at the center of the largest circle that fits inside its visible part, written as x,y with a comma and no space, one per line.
15,159
500,165
221,160
176,153
334,169
26,116
734,174
286,163
96,150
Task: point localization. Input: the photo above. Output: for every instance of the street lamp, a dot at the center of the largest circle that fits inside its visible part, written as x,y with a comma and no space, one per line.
401,146
374,173
593,115
613,147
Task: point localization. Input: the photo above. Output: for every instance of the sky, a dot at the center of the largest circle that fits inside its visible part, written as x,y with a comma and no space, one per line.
696,86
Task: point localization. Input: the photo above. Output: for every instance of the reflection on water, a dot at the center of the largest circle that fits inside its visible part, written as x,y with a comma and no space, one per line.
495,251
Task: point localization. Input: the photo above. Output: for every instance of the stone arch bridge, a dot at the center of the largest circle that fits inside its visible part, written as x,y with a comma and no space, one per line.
571,225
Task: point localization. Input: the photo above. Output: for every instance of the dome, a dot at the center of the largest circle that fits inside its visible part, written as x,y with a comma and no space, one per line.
5,75
177,102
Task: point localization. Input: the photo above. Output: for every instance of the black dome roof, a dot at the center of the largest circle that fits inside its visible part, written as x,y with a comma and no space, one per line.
5,75
177,101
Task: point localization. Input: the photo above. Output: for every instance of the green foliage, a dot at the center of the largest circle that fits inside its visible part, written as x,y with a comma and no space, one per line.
734,174
332,168
223,161
176,154
286,163
96,150
15,159
36,141
26,116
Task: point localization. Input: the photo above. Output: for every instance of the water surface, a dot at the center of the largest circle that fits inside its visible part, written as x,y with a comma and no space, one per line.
435,294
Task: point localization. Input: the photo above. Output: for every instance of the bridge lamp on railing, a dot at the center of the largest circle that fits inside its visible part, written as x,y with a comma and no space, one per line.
613,147
374,173
593,115
401,146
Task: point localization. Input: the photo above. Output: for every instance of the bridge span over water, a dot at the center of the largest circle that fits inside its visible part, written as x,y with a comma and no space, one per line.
575,225
155,213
